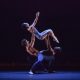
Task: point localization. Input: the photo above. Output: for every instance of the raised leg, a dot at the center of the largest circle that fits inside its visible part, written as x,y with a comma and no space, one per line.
50,33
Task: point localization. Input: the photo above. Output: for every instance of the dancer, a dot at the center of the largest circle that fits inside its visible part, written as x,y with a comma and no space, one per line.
40,35
43,55
30,46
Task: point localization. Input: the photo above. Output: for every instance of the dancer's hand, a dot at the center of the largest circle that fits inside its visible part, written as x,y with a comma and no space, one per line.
31,29
37,14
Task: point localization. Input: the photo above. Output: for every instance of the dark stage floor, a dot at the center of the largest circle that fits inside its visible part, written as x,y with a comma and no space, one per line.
44,76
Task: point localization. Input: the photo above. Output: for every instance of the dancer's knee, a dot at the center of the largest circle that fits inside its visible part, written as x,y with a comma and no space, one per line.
50,32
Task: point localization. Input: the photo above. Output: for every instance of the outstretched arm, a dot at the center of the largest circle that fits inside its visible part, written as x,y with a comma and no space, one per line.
49,45
35,20
32,40
48,42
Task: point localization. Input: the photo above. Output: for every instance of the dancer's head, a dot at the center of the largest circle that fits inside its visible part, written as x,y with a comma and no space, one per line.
24,42
57,49
25,25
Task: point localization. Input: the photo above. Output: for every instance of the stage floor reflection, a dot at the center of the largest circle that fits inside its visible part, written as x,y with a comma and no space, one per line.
24,75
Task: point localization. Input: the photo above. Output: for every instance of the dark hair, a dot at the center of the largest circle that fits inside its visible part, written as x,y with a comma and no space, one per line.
57,49
23,26
23,42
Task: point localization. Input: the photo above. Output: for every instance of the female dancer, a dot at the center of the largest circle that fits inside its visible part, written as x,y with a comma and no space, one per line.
40,35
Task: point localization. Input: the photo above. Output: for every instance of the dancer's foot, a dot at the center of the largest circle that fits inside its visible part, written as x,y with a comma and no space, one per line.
56,40
30,72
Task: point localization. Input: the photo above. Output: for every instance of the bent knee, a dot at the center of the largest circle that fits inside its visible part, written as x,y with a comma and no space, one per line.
49,29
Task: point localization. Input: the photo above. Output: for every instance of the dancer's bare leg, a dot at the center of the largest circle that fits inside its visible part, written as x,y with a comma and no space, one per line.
31,28
46,33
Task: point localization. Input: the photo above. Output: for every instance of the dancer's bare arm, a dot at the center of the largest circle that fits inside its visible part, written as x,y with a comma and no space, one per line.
48,42
49,45
32,40
35,21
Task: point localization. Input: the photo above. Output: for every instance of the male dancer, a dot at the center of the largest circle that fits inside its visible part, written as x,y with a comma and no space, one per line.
44,55
40,35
